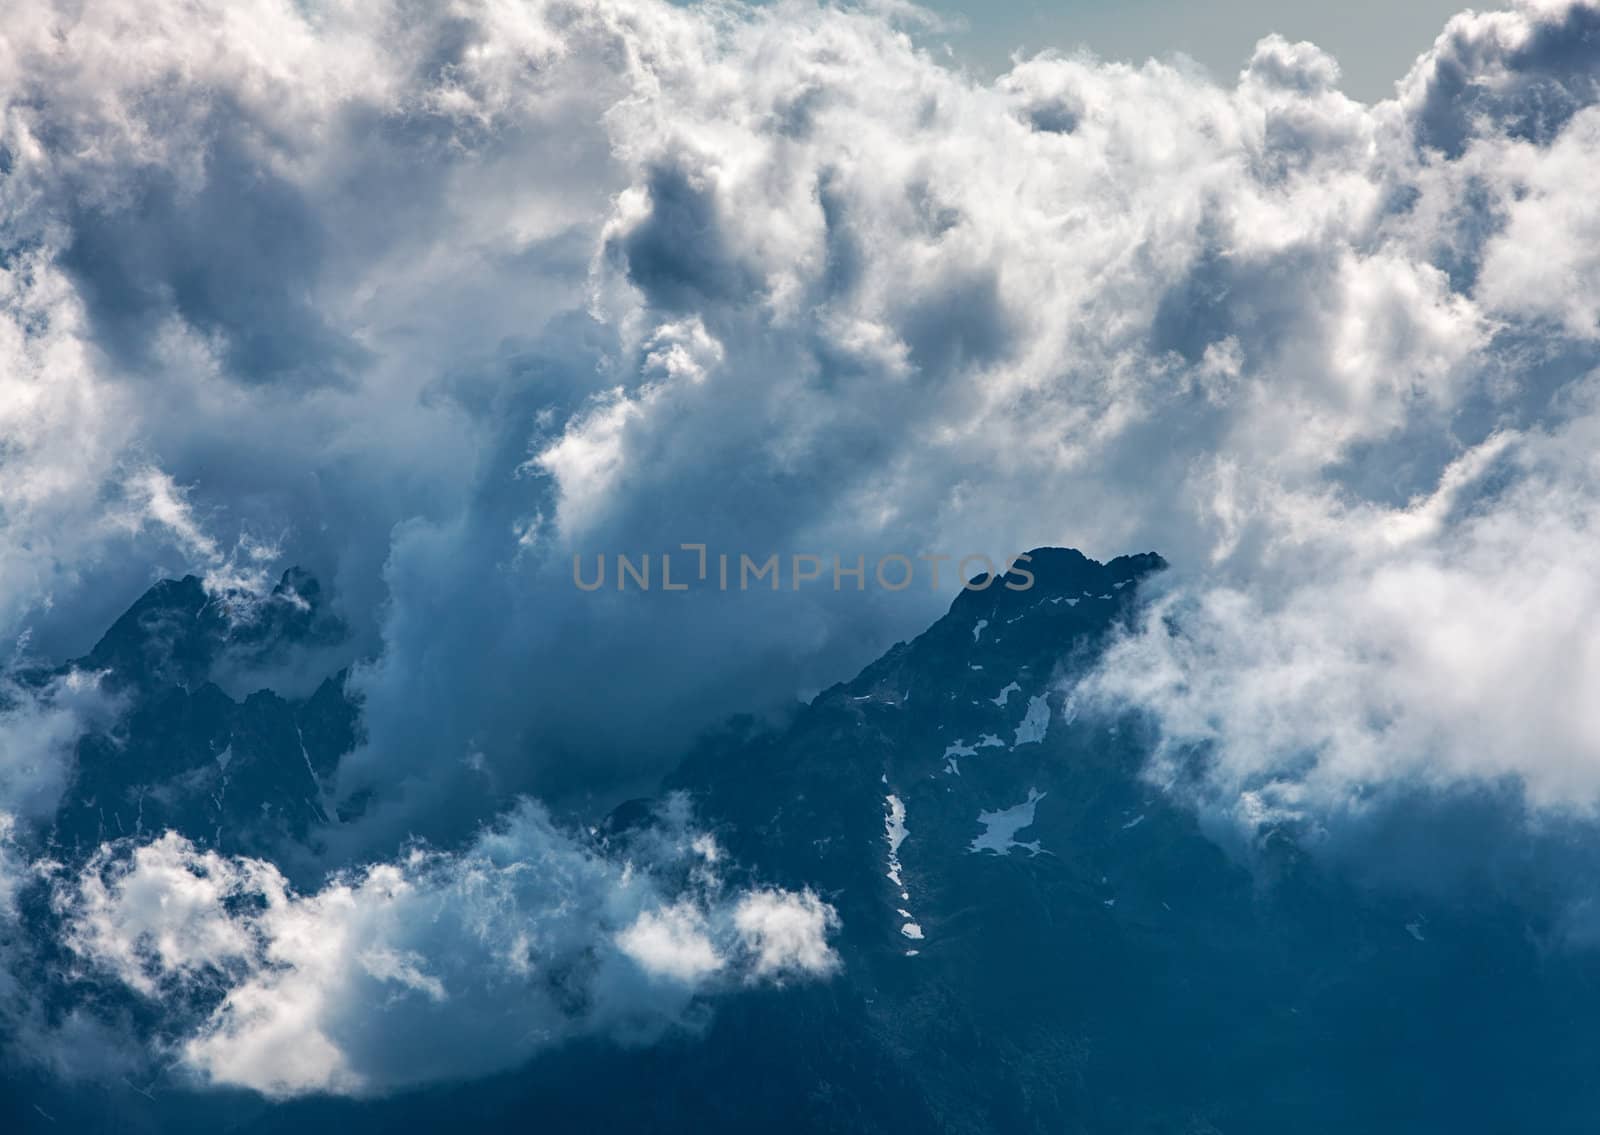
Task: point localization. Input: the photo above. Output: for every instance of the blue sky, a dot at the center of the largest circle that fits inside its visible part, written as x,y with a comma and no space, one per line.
1374,42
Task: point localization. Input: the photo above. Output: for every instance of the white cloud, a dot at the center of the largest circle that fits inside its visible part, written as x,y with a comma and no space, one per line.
1440,642
1546,261
164,912
40,724
436,965
788,932
672,943
61,429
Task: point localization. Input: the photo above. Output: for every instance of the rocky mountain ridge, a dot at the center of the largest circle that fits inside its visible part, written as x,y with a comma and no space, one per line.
1035,938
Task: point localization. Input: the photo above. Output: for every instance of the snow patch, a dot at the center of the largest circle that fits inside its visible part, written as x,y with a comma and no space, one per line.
1001,828
894,827
1035,724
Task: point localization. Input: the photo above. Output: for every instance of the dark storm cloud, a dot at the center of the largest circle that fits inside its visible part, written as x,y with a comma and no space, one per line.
237,259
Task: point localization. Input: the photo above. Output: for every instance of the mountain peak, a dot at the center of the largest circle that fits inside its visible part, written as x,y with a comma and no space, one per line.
175,633
1051,575
236,774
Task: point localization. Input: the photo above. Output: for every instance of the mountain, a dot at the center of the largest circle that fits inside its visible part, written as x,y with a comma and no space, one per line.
1045,941
240,776
1035,937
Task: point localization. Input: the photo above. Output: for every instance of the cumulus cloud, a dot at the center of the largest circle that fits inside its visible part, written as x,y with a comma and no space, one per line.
436,965
1117,299
1442,641
1545,263
788,933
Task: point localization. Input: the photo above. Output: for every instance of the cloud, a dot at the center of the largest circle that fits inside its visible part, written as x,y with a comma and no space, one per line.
61,429
671,943
42,717
788,933
1545,263
436,965
1437,643
41,722
913,311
